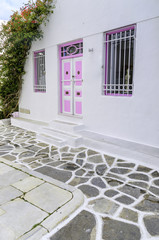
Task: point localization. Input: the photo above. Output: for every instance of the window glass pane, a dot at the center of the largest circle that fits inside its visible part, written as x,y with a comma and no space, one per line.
40,83
119,62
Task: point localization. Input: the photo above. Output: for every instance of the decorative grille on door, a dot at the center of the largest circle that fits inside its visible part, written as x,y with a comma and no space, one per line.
73,49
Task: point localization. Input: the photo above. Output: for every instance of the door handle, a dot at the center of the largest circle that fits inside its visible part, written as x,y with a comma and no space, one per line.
77,80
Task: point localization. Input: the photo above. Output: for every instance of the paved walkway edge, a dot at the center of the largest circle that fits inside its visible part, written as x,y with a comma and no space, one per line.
59,215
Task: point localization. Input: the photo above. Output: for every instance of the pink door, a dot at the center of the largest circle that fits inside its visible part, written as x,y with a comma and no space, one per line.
77,71
72,86
67,86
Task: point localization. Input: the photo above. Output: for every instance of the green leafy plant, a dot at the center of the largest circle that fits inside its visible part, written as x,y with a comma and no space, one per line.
16,39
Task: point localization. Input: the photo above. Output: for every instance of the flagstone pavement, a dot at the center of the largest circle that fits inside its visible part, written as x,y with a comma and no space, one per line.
121,197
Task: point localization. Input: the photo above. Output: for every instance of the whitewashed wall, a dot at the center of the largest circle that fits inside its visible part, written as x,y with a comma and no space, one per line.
131,118
2,22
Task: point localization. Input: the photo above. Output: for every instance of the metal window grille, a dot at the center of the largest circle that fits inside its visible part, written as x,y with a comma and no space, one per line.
73,49
39,62
119,62
40,88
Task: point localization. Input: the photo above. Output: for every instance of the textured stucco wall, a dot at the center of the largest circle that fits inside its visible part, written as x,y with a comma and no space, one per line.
131,118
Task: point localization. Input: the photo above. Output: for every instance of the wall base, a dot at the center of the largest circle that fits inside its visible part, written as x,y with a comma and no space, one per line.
125,149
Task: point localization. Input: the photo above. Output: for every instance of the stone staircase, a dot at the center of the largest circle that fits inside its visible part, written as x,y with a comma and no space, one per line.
61,133
57,132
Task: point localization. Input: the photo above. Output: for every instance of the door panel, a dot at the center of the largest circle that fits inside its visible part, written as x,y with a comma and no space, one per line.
78,86
72,86
67,86
78,107
67,72
67,106
78,69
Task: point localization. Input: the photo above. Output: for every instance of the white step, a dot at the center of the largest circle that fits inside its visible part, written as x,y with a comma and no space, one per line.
5,121
51,140
31,125
71,139
66,126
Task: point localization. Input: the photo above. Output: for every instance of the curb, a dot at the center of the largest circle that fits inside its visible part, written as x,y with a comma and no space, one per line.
60,214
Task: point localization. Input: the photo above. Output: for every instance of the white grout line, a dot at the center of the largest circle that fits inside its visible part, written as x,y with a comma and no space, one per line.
86,206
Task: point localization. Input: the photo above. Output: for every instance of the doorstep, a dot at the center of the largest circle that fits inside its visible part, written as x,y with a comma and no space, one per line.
31,204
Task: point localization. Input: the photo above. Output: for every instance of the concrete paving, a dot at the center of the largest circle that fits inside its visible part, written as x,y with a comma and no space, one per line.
121,197
28,200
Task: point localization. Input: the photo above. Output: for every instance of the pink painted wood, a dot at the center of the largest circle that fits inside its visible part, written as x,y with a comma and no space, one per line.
78,87
67,106
67,93
67,75
78,93
66,57
78,107
66,86
78,72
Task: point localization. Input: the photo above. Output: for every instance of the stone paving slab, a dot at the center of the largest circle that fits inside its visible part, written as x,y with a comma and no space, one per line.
121,196
5,169
28,199
48,197
37,233
6,232
11,177
28,184
21,216
81,227
8,193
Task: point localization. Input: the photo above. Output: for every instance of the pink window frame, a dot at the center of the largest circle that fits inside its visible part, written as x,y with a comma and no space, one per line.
35,71
66,57
107,34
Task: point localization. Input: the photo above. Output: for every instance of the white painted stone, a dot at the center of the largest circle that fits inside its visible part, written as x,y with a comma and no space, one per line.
14,165
9,193
48,197
5,169
6,233
11,177
21,217
27,184
28,172
2,164
2,212
64,212
35,234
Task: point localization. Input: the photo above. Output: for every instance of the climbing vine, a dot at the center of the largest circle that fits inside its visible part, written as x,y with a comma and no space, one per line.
16,39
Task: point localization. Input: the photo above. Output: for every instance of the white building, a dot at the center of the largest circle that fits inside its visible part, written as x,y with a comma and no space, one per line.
2,22
96,70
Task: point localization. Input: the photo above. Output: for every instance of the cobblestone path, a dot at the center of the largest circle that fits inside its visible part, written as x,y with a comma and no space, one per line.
121,197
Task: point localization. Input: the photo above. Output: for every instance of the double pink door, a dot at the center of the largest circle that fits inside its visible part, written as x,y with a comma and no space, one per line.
72,86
